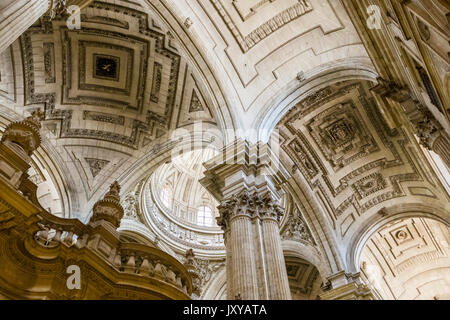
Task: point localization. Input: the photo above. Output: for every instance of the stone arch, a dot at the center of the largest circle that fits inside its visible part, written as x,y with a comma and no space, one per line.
216,288
154,157
367,229
309,253
317,79
305,268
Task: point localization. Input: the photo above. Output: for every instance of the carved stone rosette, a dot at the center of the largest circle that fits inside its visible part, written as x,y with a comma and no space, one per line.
109,208
25,134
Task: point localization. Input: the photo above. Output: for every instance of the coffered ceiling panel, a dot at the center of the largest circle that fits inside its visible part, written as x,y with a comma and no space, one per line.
409,259
118,86
339,145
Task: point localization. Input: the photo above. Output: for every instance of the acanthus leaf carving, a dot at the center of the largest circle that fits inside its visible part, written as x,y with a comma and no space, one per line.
250,204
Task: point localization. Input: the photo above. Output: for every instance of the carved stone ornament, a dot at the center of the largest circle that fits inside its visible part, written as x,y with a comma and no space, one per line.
296,229
25,134
251,204
391,90
109,208
192,268
59,9
427,129
130,205
201,270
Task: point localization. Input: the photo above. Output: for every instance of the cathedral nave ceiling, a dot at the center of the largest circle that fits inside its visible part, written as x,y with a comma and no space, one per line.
341,151
111,91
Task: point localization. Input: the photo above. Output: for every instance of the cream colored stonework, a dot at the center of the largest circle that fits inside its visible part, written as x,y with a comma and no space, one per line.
311,135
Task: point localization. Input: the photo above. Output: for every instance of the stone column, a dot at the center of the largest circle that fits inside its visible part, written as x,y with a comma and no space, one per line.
16,16
245,179
427,128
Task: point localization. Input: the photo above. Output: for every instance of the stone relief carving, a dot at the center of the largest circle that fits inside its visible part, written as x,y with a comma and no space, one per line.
369,185
427,128
59,9
96,165
341,135
131,206
202,270
296,229
49,62
195,105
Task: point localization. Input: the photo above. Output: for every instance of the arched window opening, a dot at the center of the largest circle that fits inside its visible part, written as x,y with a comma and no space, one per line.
204,216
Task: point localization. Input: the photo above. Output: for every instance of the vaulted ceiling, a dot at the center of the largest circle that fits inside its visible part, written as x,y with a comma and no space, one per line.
409,259
111,92
350,170
265,54
115,90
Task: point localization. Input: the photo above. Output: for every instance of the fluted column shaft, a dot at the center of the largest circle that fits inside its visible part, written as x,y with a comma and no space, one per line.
17,16
229,267
256,268
276,269
442,148
243,267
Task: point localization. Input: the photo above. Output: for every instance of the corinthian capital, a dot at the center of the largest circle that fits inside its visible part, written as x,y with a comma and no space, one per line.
250,204
428,129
